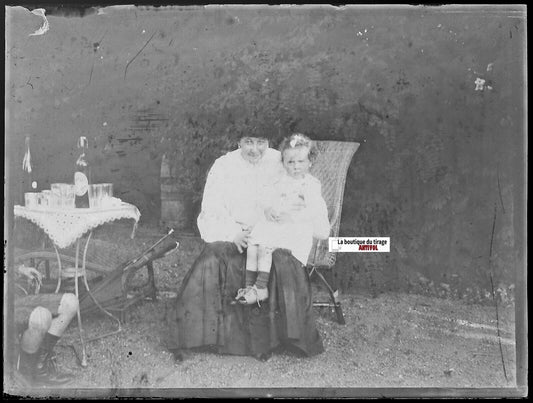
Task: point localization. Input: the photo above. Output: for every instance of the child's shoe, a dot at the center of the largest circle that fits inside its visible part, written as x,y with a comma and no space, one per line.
241,292
254,295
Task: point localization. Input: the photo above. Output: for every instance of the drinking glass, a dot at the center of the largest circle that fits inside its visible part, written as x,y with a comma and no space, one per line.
68,195
44,199
107,194
95,195
31,199
56,198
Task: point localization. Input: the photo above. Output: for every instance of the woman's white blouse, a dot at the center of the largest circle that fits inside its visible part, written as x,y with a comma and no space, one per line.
231,200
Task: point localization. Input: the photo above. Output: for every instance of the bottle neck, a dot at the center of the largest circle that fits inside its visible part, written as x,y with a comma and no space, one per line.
82,163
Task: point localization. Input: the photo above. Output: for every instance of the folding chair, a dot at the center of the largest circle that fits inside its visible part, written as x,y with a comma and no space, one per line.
331,168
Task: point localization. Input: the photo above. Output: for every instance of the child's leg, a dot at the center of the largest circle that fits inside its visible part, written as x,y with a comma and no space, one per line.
67,310
264,261
251,265
38,325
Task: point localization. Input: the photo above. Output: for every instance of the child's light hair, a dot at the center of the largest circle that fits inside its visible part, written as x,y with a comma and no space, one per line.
299,140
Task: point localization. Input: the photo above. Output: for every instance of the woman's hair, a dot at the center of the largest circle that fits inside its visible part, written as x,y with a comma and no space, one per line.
297,140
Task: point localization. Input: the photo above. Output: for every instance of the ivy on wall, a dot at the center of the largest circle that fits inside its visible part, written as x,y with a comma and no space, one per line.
438,153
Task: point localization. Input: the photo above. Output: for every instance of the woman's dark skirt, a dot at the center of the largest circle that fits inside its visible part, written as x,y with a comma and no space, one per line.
202,313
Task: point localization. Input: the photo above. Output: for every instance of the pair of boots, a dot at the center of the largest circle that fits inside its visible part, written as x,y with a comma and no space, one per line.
251,295
256,290
40,368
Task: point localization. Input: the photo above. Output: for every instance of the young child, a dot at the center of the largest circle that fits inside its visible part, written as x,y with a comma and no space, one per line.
295,212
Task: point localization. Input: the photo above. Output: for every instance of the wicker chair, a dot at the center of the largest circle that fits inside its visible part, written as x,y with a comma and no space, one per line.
331,168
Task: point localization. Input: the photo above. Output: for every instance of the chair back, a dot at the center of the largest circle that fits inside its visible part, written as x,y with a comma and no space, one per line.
331,168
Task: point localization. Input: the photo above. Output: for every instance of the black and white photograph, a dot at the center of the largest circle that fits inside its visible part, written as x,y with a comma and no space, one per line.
265,201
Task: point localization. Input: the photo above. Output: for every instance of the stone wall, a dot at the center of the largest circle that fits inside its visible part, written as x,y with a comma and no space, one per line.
442,159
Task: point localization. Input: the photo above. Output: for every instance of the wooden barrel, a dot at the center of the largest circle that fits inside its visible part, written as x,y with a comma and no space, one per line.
176,200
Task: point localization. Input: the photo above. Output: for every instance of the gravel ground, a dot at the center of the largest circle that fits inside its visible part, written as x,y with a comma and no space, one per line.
390,341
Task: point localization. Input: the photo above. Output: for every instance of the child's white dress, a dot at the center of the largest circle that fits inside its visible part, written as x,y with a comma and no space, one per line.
297,234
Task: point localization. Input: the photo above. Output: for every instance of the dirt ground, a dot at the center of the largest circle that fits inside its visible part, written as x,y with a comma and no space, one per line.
389,341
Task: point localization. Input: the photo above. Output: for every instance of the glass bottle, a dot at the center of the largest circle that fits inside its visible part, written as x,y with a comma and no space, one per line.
82,174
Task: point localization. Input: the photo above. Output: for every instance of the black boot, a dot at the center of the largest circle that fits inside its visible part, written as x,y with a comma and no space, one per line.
40,368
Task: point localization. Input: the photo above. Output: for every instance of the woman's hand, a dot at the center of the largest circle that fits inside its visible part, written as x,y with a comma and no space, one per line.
241,240
31,273
275,216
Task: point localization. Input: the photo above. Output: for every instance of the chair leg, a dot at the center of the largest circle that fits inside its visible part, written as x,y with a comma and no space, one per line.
335,303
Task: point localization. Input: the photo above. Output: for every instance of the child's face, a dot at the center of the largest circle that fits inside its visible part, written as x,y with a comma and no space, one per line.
296,161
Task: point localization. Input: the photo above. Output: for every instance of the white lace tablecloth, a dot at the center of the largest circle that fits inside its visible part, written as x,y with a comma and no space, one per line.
65,226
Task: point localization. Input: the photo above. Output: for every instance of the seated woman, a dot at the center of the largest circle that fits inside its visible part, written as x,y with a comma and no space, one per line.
204,312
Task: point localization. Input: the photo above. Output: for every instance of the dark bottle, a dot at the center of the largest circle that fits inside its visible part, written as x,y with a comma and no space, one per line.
82,175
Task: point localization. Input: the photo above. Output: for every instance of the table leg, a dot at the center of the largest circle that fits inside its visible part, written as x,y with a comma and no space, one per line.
59,273
83,352
92,296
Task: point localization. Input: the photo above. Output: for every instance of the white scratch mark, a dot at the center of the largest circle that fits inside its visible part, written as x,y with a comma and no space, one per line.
45,27
26,161
479,84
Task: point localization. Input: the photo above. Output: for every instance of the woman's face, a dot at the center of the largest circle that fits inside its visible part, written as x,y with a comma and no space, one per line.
296,161
253,148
